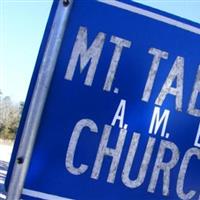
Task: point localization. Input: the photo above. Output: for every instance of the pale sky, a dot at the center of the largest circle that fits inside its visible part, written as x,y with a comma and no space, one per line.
22,24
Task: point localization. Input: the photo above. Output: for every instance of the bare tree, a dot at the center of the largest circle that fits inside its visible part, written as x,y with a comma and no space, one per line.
9,117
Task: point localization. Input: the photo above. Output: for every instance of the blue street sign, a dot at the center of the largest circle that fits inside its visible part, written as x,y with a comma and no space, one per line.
121,117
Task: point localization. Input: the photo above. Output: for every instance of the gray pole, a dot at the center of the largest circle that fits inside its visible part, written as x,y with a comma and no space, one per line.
38,100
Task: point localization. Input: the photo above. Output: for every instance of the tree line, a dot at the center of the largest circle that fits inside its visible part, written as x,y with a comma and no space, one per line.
10,113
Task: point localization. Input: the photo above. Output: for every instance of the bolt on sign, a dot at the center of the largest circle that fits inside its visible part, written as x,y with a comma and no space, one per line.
113,107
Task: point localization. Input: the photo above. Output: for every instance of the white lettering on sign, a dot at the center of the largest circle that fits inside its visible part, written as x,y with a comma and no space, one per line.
130,158
90,57
182,173
119,115
92,54
104,150
157,121
196,89
120,43
173,84
176,72
197,139
165,167
158,55
84,123
160,166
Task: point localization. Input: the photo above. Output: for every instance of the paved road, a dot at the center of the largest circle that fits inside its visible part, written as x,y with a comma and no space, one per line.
5,152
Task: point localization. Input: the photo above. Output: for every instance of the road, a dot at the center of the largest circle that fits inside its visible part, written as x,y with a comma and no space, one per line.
5,153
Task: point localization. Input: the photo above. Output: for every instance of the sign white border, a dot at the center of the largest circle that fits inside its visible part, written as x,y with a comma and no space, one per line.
42,195
151,15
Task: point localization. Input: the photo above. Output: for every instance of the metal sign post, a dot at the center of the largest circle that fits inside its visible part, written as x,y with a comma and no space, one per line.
38,101
115,110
